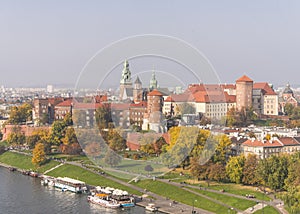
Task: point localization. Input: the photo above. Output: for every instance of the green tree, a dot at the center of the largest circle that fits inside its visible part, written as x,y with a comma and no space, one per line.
57,132
223,149
187,108
235,167
38,155
288,109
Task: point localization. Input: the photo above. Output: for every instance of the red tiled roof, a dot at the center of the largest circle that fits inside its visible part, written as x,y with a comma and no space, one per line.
265,87
140,104
155,93
289,141
66,103
244,79
258,143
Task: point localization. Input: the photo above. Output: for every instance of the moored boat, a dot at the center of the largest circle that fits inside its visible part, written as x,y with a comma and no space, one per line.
103,200
70,184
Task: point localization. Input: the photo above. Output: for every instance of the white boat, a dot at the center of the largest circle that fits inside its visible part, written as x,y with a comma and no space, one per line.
69,184
103,200
151,207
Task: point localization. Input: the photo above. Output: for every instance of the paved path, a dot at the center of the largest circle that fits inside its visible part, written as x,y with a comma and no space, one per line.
275,203
49,170
165,205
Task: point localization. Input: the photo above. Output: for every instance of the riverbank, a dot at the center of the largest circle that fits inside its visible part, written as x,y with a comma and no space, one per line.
92,178
169,197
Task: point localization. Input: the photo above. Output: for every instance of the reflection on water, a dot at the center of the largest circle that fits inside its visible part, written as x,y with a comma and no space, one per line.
24,194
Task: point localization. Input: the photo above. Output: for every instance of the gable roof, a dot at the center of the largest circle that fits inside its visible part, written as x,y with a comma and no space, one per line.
265,87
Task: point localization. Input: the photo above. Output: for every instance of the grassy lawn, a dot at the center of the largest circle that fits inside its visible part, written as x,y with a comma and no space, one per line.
267,209
84,159
180,195
88,177
237,189
24,162
241,204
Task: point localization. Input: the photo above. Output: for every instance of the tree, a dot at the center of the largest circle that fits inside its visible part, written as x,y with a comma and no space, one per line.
111,158
217,172
288,109
115,141
16,137
187,108
249,172
57,132
20,114
103,116
69,137
223,149
235,167
38,155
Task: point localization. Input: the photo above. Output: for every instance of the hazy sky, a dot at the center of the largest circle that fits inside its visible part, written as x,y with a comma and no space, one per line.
49,42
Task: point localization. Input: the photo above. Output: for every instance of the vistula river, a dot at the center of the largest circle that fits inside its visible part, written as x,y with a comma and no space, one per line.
23,194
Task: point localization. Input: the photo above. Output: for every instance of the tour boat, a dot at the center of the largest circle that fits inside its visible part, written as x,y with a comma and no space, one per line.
69,184
103,200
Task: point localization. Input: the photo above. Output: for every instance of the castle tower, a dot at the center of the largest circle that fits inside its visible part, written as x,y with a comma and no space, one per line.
137,90
153,117
125,83
244,88
153,82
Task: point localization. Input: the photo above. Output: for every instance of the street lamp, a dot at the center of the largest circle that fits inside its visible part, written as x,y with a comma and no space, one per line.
194,211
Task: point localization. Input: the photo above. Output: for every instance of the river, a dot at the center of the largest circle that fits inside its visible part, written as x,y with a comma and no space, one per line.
24,194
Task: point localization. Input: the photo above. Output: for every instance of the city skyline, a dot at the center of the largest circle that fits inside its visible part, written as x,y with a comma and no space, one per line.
50,43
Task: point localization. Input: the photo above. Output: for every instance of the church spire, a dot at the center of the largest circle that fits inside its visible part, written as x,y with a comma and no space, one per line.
153,82
126,74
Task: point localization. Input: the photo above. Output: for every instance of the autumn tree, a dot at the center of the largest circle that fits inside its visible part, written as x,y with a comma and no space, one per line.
235,167
223,149
115,141
16,137
249,171
20,114
57,132
217,172
38,155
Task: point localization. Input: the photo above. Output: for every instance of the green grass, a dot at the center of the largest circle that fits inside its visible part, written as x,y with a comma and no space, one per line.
267,209
238,190
241,204
180,195
88,177
24,162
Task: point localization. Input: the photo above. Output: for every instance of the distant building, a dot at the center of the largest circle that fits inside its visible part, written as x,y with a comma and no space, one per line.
275,146
265,99
287,97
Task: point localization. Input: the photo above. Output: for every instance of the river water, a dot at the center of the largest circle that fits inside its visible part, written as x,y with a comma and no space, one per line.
24,194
